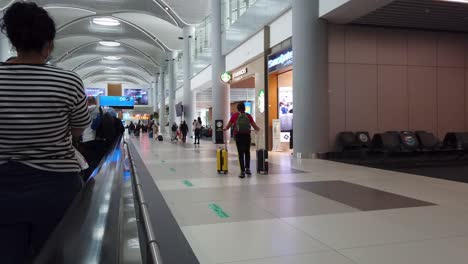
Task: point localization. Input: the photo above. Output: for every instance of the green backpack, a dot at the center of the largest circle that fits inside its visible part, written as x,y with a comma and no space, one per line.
243,123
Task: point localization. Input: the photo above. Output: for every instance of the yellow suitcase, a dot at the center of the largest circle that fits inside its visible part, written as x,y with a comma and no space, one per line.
222,160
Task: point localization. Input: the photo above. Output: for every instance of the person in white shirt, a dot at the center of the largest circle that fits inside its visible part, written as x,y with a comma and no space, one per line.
92,149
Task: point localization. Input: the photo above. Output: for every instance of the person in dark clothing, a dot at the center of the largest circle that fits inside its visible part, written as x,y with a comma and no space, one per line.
197,127
174,129
184,130
242,123
138,129
131,128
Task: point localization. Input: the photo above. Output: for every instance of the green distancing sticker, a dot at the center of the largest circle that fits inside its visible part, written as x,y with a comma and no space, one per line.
173,169
188,183
163,161
218,211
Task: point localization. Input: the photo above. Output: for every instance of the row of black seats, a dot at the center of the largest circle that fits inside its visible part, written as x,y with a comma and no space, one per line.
404,141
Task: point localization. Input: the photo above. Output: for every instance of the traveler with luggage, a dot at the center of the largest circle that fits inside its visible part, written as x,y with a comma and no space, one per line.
43,107
184,130
242,123
174,129
155,129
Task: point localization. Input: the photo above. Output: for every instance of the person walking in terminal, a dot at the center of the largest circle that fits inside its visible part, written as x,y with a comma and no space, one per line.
197,130
92,148
43,107
184,130
242,123
155,129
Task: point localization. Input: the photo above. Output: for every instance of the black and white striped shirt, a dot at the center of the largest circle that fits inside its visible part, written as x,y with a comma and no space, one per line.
38,106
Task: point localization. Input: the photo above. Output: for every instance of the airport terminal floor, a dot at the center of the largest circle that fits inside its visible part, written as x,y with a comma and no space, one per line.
307,211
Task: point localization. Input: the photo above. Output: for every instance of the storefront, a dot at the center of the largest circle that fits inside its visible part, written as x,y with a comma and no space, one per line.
280,100
247,82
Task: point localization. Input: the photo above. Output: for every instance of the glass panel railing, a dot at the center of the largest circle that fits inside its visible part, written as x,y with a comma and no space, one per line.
241,19
201,46
252,16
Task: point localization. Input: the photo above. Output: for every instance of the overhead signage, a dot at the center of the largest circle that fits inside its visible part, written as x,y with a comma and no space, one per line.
95,91
280,60
239,74
122,102
226,77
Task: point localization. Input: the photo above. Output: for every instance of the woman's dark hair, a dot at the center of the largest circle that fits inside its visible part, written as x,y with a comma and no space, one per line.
241,107
28,26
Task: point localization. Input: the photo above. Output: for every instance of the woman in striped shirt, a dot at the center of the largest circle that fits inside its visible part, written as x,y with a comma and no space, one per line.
41,108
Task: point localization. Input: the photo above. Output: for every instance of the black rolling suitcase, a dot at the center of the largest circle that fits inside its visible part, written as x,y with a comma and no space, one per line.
262,159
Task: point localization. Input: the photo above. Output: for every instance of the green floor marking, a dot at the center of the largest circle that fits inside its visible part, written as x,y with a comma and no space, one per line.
188,183
163,161
173,170
218,211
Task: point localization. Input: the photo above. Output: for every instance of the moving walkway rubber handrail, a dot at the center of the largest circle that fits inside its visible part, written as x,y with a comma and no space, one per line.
90,231
151,242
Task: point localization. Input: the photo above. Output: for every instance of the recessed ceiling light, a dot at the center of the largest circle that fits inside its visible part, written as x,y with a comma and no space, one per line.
113,58
456,1
109,43
106,21
167,8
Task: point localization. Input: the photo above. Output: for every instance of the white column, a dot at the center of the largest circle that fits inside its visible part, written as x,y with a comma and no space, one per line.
156,93
4,48
310,94
162,107
189,97
220,90
172,86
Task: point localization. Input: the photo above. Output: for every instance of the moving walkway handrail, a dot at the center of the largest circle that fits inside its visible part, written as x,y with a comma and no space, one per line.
150,236
91,230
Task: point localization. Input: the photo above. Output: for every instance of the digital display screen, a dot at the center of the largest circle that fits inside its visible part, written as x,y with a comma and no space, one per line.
248,107
139,95
285,109
95,92
179,109
121,102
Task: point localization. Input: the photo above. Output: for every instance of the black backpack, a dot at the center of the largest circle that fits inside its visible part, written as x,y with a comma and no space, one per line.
106,128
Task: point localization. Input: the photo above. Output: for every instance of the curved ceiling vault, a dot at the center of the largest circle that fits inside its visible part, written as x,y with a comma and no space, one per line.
137,33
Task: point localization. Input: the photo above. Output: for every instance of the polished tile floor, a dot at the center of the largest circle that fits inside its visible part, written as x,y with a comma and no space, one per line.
308,211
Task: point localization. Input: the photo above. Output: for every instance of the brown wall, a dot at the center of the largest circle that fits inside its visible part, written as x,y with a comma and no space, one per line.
114,89
272,106
390,79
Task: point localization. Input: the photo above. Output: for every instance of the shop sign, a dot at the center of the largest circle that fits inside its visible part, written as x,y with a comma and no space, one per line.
226,77
261,101
239,74
280,60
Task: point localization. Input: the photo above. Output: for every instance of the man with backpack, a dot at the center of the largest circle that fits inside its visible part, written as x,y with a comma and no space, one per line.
242,123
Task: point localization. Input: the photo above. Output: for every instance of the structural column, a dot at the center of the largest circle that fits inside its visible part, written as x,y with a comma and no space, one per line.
189,98
172,86
156,93
4,48
220,90
310,83
162,107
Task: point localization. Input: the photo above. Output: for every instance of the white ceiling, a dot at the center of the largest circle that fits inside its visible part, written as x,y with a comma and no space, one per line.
148,30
